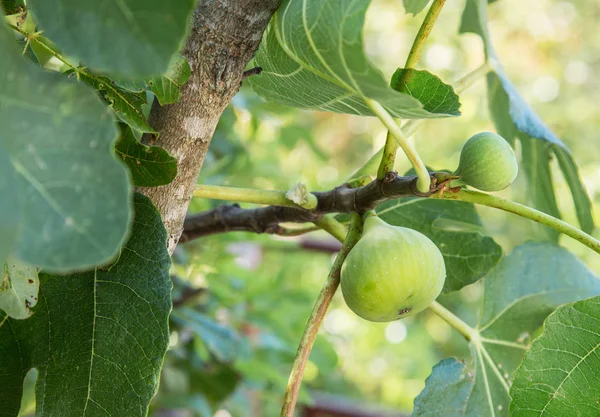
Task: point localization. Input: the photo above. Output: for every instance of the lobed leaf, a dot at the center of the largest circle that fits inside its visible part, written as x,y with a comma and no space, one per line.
519,294
97,338
130,38
65,197
312,57
559,375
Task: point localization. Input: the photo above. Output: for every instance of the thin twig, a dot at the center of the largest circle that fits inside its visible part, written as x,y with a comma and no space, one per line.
250,72
315,319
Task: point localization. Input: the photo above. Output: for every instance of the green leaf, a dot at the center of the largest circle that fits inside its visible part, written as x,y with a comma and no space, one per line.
70,192
415,6
455,228
559,375
9,207
518,295
12,6
540,191
127,105
166,87
127,38
583,205
446,391
150,166
18,289
513,118
429,89
528,285
221,341
97,338
312,57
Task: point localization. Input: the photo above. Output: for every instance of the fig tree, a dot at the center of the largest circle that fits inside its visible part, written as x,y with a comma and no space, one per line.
487,162
392,272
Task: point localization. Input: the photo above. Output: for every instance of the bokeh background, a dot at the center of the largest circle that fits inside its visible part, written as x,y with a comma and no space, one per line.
243,299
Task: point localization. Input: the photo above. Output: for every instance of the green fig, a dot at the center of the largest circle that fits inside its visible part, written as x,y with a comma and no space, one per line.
392,272
487,162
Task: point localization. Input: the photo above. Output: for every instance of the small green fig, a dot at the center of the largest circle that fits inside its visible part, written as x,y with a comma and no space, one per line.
487,162
392,272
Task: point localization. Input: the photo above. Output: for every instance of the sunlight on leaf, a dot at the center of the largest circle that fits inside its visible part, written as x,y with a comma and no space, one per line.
312,57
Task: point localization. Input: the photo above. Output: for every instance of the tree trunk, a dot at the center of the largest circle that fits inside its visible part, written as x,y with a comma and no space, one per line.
224,36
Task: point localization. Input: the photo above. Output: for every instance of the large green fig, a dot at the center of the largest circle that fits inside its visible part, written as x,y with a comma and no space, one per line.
487,162
392,272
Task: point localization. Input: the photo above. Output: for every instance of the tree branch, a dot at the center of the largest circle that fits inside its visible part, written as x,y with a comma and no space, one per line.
223,37
341,199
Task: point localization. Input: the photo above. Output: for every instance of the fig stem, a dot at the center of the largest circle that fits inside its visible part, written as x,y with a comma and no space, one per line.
388,159
390,149
332,226
246,195
423,34
522,210
411,126
395,130
463,328
317,315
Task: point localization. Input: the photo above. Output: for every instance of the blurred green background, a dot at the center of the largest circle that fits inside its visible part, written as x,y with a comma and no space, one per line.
234,339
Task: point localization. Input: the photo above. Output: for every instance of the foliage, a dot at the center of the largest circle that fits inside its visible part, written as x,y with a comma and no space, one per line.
97,323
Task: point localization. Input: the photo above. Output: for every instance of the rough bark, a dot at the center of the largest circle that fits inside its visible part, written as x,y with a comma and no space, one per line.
224,35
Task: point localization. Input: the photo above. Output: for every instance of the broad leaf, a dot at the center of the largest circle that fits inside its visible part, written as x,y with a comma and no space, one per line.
415,6
528,285
127,105
97,338
518,295
312,57
57,168
455,228
130,38
513,118
559,375
18,289
429,89
9,207
150,166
